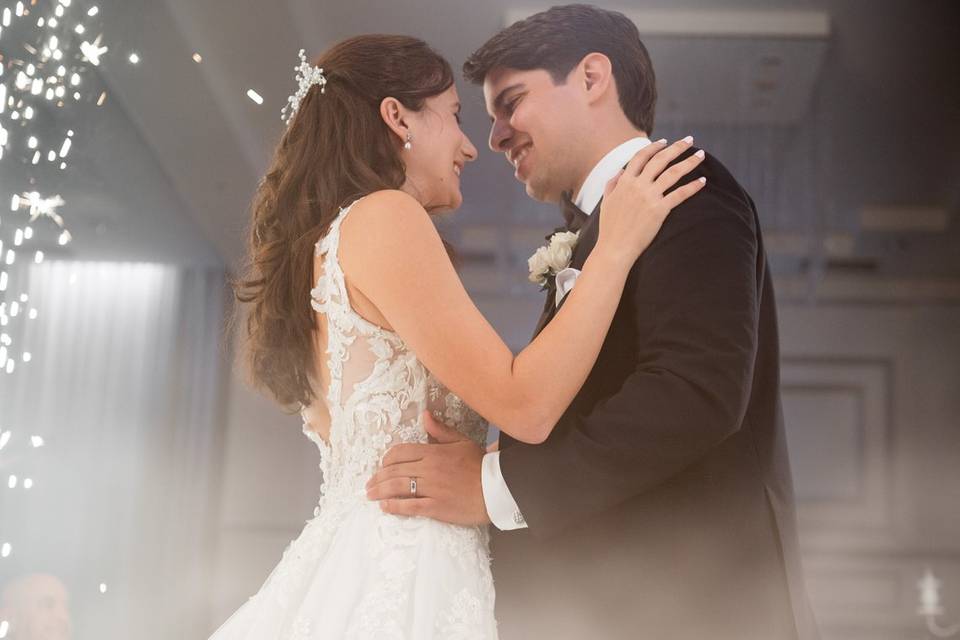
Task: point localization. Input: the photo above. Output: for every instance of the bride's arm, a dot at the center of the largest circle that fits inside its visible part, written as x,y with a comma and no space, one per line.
392,253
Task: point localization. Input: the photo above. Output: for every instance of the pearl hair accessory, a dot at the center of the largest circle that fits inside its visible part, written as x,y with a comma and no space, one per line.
307,76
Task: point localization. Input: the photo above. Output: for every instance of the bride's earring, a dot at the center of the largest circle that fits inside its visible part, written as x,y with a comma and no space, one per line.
409,143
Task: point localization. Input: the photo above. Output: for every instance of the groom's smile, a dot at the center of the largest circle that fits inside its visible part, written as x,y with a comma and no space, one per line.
516,156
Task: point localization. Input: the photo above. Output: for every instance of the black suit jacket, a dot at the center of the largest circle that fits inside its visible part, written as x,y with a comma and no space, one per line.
661,505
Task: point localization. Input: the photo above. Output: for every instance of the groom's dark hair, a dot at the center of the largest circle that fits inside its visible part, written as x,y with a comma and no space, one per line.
557,39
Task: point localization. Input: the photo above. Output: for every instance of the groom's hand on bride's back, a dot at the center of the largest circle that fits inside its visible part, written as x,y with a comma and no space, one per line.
447,473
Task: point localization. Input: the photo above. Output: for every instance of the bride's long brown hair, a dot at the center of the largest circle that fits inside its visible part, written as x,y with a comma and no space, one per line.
336,148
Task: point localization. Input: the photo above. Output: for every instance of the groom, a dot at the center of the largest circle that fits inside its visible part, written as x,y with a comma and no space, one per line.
661,506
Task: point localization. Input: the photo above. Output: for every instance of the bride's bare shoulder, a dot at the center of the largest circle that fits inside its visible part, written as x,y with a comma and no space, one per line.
385,207
387,224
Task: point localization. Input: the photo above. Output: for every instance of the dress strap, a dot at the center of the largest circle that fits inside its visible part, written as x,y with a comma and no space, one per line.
331,239
331,287
329,297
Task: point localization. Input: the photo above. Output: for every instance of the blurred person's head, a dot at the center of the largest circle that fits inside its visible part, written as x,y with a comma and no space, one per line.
36,606
563,87
388,117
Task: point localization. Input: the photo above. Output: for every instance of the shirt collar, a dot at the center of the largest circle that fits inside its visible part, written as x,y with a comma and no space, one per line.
592,190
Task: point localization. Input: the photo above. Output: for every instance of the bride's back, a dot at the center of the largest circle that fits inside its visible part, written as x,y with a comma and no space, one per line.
368,378
372,389
360,359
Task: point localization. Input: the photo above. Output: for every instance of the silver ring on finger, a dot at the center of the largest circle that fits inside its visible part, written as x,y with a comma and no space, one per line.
413,487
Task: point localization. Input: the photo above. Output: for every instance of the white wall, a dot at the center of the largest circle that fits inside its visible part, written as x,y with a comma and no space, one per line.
873,420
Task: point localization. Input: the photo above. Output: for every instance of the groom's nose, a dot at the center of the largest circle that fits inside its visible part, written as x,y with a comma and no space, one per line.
500,133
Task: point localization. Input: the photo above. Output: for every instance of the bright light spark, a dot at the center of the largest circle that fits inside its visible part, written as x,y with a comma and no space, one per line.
92,50
38,205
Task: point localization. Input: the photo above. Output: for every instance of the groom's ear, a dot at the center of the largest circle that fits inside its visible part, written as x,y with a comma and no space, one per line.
394,113
597,75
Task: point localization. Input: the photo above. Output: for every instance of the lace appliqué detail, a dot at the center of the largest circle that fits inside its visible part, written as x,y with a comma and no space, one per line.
383,406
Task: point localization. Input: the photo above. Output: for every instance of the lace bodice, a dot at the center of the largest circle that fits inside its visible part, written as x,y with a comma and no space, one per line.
378,388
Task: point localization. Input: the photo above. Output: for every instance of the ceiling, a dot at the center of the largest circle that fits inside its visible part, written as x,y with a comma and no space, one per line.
858,114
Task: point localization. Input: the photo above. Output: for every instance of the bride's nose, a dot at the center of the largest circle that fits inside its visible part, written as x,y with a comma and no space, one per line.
469,151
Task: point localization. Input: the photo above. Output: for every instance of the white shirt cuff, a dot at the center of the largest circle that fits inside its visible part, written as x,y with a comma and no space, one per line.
501,507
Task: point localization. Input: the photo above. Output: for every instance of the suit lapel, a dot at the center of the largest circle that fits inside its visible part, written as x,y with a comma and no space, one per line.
547,314
587,240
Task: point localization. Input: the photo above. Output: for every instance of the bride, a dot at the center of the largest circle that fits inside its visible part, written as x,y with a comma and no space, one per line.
356,315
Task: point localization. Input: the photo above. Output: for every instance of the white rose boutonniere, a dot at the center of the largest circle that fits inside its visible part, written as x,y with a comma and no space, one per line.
554,257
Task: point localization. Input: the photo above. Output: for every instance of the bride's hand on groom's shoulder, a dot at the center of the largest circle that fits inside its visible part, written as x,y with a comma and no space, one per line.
446,473
635,201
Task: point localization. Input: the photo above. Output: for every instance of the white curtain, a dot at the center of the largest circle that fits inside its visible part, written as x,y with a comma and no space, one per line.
125,389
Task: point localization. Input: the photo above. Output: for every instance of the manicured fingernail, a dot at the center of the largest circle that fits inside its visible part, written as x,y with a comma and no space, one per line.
688,139
662,141
700,154
702,180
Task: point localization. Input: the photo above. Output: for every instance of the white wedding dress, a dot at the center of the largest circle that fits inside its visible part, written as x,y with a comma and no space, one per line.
355,572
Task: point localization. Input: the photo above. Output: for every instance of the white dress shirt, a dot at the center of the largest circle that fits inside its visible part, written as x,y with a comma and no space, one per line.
501,507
